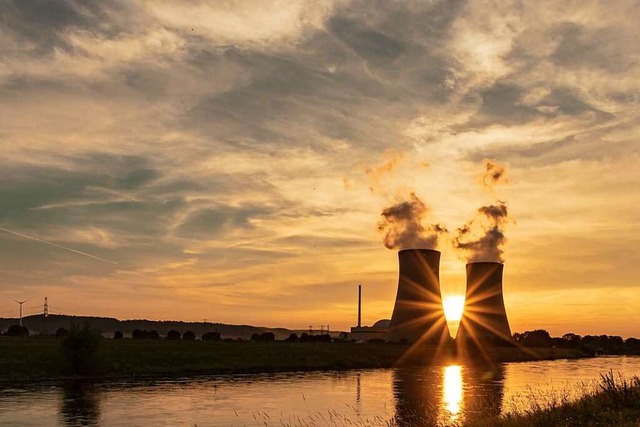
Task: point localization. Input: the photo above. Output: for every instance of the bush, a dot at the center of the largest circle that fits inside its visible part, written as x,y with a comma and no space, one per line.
118,335
17,331
144,334
189,336
265,336
61,332
292,338
173,335
211,336
80,347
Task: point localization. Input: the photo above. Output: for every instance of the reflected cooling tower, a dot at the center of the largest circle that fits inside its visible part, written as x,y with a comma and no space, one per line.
418,315
484,320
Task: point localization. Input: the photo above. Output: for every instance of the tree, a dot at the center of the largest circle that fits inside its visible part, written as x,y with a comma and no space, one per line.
118,335
143,333
265,336
292,338
537,338
80,347
189,336
61,332
211,336
173,335
17,331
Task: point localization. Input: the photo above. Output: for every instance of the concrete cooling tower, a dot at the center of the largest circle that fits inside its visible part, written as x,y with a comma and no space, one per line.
484,320
418,315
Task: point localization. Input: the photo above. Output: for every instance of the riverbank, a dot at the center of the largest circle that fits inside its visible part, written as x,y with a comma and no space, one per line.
41,358
614,402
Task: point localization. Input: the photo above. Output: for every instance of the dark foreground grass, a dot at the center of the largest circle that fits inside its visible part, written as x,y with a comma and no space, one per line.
36,358
614,402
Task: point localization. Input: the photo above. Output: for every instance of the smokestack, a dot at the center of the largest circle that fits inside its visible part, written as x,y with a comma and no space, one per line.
484,320
418,314
359,304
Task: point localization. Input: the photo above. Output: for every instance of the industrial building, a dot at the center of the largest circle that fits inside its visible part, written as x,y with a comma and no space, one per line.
418,315
484,320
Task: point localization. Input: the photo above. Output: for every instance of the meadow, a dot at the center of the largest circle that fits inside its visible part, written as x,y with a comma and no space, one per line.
36,358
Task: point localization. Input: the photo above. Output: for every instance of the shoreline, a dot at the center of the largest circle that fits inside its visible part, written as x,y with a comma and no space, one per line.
39,360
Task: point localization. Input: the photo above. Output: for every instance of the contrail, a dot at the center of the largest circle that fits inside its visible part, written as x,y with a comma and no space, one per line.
56,245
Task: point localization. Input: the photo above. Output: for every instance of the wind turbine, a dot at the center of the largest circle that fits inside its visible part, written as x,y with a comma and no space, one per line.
22,302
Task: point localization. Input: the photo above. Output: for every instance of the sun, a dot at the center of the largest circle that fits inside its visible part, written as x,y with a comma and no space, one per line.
453,307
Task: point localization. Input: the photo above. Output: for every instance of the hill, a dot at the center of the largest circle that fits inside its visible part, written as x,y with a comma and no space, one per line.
108,325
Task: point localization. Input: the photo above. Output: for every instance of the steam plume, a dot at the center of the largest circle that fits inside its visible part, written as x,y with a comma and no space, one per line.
494,174
402,225
483,237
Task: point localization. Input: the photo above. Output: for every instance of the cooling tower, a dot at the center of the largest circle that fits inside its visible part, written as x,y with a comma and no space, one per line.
484,320
418,315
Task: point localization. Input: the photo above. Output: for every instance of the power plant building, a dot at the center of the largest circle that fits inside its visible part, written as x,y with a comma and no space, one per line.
484,320
418,316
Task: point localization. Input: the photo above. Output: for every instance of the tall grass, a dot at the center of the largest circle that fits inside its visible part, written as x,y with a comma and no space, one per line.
614,401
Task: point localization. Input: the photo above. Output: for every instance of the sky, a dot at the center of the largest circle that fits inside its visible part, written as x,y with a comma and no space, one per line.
230,161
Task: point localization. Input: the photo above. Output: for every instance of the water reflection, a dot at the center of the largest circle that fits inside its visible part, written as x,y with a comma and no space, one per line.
80,405
452,397
483,390
418,396
447,395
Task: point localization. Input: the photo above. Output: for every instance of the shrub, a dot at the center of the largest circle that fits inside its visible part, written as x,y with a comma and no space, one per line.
173,335
118,335
61,332
143,334
17,331
265,336
189,336
80,347
211,336
292,338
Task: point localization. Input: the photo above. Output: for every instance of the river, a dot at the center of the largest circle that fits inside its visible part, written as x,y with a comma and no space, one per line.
439,395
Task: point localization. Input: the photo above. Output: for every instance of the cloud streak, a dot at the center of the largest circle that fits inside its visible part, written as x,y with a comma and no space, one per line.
55,245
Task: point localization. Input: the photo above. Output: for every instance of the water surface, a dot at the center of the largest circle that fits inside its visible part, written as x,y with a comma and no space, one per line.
440,395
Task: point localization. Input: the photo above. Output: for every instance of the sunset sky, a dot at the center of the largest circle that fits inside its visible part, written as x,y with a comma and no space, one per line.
230,160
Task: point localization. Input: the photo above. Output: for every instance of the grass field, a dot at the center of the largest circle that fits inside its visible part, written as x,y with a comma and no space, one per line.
615,402
34,358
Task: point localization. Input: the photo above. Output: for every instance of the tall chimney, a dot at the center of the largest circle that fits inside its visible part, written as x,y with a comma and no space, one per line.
484,320
359,304
418,315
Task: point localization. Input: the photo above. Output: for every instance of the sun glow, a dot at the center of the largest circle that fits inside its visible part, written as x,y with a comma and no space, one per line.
452,395
453,307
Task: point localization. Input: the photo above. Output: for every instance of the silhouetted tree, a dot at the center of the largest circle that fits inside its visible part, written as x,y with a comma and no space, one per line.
144,334
189,336
537,338
292,338
17,331
80,347
632,344
304,337
211,336
173,335
265,336
61,332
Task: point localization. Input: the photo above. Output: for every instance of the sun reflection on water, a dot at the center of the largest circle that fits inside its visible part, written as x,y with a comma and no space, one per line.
452,390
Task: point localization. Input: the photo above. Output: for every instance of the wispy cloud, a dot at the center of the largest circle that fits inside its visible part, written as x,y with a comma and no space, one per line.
219,151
